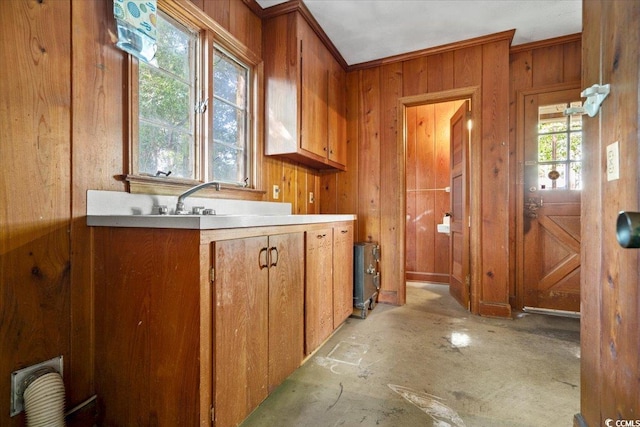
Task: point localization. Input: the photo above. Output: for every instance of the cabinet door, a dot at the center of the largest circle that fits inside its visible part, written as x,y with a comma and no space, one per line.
319,287
286,306
241,328
342,273
313,109
337,126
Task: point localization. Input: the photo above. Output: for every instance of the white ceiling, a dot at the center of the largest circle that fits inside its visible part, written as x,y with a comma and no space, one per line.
365,30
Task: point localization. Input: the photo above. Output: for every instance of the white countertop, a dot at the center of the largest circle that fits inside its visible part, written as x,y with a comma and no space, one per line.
209,222
119,209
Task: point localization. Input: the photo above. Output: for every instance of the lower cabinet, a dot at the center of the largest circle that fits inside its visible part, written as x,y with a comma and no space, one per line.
319,287
197,327
342,273
258,321
329,282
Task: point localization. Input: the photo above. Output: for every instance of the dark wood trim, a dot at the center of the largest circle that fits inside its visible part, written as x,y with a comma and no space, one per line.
255,7
546,43
388,297
299,6
491,309
491,38
416,276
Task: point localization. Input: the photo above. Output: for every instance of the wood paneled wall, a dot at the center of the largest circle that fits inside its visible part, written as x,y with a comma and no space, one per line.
373,94
539,66
35,170
610,291
428,173
62,132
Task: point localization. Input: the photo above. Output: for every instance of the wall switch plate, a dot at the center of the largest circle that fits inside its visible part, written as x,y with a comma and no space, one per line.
276,192
311,197
19,381
613,161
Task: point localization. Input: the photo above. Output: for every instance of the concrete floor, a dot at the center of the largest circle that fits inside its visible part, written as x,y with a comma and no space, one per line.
431,363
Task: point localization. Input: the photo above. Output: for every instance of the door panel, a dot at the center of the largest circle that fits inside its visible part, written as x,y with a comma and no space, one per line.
241,322
286,306
459,221
551,205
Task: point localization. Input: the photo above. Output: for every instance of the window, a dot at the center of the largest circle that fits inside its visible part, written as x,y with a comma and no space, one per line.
166,100
228,145
559,147
191,115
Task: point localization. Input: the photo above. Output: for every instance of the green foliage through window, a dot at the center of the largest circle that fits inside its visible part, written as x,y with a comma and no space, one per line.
166,94
170,106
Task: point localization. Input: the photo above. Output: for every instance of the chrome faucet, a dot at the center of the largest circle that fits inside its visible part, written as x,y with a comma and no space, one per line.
180,210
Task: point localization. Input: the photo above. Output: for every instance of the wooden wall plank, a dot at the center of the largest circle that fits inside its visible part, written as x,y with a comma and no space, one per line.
418,83
369,156
245,25
592,232
35,169
97,69
392,221
495,175
521,78
440,72
425,183
572,70
549,65
411,186
219,10
442,166
467,66
348,189
619,276
288,182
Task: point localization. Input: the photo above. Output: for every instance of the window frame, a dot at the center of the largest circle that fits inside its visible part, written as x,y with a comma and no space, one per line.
211,34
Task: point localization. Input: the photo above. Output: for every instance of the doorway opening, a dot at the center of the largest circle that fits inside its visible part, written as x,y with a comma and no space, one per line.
431,196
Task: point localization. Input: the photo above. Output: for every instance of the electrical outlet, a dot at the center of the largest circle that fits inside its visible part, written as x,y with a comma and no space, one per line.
311,197
276,192
19,381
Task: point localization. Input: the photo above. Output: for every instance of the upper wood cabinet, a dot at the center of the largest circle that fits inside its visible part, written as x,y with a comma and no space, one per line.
304,95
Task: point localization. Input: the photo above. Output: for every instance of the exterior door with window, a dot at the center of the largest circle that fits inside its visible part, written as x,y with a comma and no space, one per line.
550,275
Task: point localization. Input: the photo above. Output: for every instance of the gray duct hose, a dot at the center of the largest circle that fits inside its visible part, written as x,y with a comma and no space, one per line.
44,401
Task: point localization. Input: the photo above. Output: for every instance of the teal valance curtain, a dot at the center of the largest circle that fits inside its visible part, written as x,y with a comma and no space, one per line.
136,22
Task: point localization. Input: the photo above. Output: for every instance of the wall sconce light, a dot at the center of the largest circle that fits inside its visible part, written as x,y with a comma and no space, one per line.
595,95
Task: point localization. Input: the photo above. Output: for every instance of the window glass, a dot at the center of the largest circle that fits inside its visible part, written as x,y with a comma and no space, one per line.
559,147
166,95
184,96
230,119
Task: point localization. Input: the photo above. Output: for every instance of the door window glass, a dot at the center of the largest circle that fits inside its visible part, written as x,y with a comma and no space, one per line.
559,147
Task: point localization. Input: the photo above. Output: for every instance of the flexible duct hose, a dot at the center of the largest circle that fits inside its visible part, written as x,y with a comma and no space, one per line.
44,401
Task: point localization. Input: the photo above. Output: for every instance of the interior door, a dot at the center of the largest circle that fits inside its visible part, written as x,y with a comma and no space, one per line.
459,222
551,202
